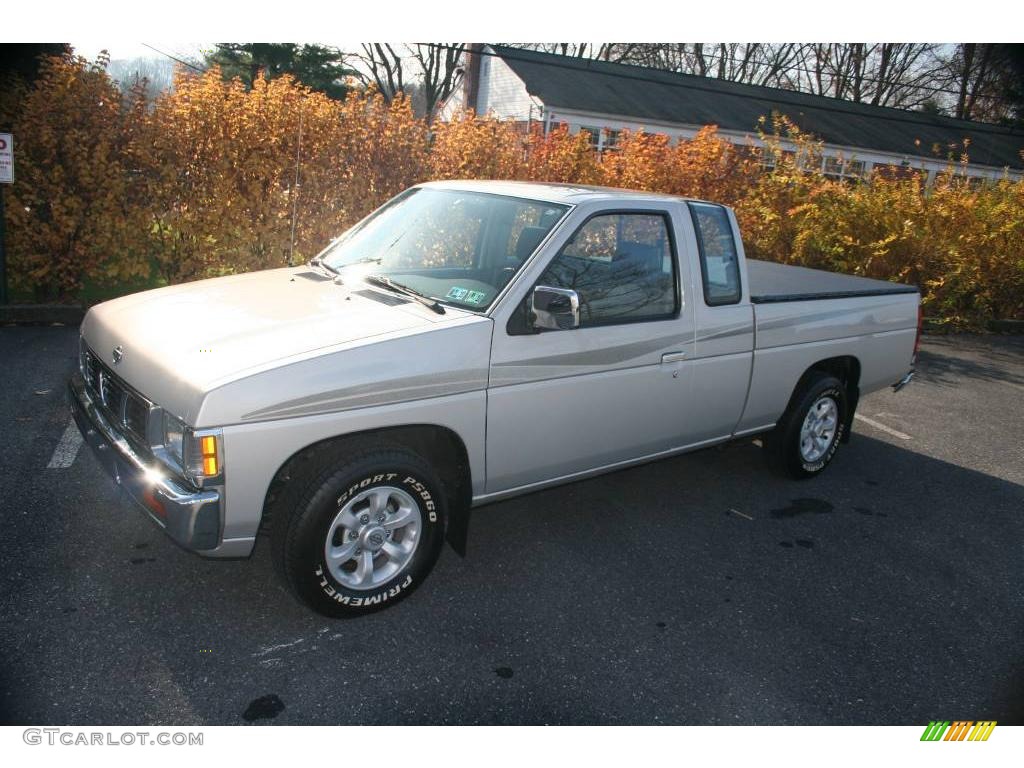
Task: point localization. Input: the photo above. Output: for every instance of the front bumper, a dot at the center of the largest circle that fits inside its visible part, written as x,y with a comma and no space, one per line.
191,517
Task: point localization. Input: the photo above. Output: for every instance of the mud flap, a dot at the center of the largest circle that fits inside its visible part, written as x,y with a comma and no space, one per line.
852,396
457,534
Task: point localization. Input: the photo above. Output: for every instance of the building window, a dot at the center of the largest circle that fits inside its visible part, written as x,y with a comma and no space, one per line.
979,182
593,136
601,138
855,168
897,171
842,170
834,167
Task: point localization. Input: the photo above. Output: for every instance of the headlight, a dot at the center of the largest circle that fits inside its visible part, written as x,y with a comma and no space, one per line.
199,455
174,437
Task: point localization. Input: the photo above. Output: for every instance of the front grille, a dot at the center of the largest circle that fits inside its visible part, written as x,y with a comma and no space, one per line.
120,403
136,413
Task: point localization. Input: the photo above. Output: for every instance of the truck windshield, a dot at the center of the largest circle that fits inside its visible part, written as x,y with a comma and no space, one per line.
458,247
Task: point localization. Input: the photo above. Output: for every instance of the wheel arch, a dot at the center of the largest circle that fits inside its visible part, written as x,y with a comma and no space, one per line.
847,369
441,446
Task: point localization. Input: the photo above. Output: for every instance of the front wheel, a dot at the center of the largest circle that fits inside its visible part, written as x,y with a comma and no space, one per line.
807,436
362,531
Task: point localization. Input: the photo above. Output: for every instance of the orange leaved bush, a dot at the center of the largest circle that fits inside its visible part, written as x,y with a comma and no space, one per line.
228,168
74,210
212,178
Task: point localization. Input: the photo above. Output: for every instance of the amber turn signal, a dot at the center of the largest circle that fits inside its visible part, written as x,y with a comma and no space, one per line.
208,450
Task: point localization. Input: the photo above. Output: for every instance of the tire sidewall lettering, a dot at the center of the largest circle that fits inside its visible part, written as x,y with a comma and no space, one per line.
363,601
363,484
421,491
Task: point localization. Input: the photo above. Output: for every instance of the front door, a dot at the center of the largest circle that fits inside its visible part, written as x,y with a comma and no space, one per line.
562,402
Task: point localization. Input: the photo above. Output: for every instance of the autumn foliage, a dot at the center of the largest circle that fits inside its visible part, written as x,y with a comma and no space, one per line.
203,182
74,201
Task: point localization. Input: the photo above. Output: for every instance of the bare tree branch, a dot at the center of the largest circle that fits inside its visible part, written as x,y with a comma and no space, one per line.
439,65
384,65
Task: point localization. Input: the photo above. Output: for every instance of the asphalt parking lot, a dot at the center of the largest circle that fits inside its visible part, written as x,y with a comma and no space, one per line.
696,590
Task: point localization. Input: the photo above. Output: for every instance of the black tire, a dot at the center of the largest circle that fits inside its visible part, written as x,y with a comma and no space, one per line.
314,497
783,443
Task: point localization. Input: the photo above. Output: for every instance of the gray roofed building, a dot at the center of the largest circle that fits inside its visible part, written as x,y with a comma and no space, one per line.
605,98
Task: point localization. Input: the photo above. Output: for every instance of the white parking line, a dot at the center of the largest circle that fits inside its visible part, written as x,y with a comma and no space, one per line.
882,427
67,449
271,648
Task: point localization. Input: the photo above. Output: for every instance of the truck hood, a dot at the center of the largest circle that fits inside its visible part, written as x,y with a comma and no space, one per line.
180,342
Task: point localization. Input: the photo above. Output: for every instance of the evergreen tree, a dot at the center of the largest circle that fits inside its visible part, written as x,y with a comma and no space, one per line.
322,68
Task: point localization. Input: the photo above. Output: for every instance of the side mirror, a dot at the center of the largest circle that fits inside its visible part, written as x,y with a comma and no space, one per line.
555,309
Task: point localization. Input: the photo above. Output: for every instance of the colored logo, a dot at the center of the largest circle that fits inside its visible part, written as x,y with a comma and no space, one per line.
959,730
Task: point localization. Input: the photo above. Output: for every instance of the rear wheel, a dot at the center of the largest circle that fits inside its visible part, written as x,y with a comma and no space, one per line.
357,532
807,436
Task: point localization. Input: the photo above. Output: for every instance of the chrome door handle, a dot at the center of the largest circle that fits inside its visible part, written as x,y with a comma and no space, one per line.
672,357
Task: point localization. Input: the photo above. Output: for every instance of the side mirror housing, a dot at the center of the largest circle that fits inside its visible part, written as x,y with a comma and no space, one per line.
554,309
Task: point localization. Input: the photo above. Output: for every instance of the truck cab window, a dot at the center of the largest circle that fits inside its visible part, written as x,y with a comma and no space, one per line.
719,261
622,266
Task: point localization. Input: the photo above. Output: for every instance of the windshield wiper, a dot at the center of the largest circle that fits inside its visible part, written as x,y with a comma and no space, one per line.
318,262
386,282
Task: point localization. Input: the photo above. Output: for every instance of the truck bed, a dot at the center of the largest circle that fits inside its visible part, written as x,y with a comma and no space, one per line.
772,283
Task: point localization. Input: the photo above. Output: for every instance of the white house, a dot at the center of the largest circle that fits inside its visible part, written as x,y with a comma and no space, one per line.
603,99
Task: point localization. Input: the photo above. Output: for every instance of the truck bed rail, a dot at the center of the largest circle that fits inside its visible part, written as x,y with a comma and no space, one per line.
773,283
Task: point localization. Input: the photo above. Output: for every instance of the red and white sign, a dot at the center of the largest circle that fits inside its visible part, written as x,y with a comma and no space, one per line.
6,158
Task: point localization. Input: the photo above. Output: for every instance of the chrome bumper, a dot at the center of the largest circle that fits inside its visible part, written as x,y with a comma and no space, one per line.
904,381
190,517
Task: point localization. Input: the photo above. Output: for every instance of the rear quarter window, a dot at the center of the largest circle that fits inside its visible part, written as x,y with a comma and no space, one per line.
719,259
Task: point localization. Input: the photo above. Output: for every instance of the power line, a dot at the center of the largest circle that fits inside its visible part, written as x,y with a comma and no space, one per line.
909,118
188,64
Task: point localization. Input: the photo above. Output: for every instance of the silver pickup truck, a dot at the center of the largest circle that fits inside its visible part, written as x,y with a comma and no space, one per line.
468,342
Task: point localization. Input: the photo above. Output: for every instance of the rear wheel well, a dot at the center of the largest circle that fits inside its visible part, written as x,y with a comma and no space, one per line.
846,368
440,446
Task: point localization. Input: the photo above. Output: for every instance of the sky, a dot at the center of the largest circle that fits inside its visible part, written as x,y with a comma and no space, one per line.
129,50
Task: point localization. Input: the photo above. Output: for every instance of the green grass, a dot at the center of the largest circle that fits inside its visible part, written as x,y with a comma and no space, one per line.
94,291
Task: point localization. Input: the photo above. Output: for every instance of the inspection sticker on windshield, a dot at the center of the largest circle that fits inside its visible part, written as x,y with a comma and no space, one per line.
465,295
459,294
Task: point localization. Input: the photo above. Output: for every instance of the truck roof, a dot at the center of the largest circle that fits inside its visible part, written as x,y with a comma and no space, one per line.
570,194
